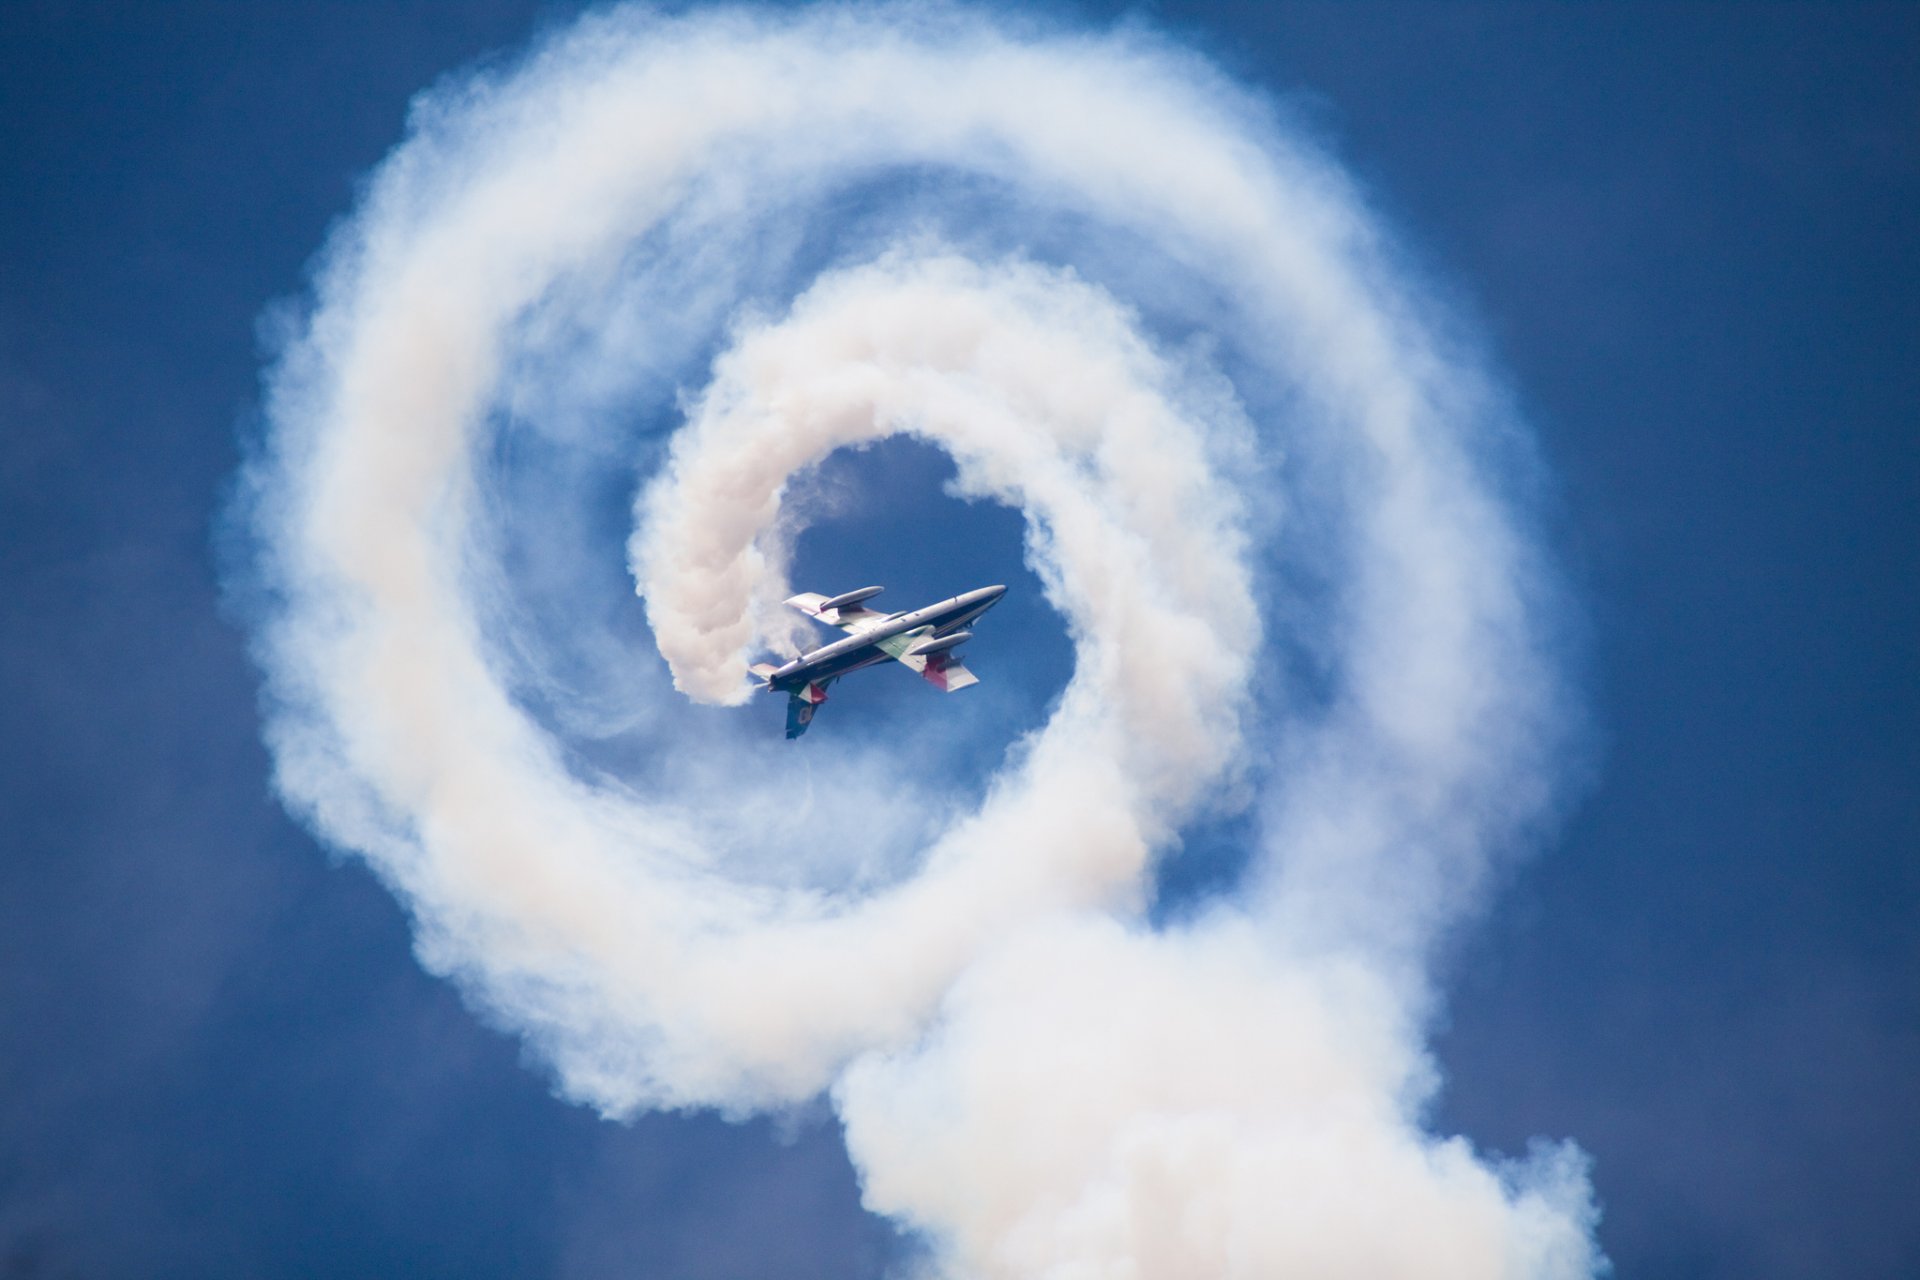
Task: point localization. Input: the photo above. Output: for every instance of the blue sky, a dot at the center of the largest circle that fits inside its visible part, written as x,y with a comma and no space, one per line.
1688,233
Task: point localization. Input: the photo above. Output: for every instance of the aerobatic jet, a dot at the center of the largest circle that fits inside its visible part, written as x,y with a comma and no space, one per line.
921,639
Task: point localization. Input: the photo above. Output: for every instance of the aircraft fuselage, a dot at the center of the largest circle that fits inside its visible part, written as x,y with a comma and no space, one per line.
831,661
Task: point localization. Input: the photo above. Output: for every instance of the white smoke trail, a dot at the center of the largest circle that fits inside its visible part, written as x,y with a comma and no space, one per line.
1028,1073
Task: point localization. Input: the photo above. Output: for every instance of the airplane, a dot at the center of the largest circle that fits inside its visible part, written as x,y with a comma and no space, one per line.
921,639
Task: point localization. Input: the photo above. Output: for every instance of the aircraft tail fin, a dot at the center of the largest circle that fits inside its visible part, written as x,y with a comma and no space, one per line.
799,715
801,705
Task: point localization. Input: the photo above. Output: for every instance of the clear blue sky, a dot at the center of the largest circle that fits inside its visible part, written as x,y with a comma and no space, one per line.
1690,231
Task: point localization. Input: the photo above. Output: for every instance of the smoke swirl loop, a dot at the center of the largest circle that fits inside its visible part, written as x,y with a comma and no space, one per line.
1262,486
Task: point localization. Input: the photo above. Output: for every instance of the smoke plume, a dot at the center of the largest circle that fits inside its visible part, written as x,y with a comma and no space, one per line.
1266,487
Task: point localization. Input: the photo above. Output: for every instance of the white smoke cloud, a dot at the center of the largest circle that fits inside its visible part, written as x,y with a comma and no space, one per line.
1029,1074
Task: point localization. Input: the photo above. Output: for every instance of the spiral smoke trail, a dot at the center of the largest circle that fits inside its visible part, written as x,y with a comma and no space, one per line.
1263,483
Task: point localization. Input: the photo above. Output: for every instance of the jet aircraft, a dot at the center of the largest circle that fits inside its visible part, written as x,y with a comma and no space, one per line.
921,639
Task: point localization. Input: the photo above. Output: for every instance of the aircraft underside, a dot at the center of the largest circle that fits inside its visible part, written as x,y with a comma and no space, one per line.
922,640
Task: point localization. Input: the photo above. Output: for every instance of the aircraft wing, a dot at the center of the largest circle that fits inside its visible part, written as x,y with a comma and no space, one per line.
943,669
851,618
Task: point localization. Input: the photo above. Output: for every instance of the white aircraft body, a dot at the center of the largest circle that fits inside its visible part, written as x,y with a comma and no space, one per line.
923,640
